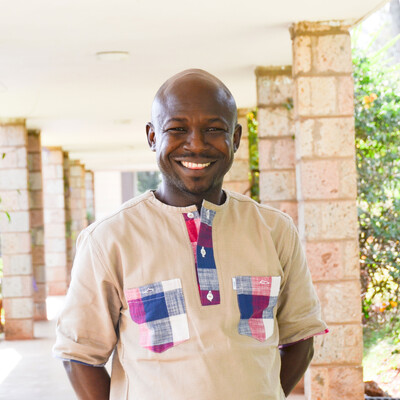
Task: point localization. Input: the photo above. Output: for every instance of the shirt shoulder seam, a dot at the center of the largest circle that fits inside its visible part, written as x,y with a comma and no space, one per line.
258,205
100,256
133,203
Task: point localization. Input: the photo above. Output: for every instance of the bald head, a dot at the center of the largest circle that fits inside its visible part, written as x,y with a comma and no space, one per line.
192,82
194,132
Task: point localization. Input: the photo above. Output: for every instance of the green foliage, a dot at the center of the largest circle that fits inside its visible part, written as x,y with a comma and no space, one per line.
389,331
254,175
377,123
89,217
147,180
381,358
5,212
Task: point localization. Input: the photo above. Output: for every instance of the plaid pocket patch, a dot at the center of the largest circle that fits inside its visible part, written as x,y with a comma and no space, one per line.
257,297
159,309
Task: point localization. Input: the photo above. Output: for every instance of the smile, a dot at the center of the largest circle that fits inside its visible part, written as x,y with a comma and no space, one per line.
192,165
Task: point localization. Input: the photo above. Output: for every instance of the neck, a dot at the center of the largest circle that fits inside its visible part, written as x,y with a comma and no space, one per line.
179,198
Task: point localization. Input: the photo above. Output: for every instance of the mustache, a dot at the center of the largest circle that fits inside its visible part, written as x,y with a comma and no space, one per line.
204,155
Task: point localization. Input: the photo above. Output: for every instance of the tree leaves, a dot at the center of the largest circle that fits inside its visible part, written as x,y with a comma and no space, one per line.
377,123
254,175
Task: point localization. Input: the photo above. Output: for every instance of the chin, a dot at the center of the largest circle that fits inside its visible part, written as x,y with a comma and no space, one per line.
197,189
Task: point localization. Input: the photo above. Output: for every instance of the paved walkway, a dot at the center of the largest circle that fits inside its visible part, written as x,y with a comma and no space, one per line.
28,370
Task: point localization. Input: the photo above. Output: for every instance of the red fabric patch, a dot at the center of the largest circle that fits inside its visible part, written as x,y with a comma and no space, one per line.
137,312
257,329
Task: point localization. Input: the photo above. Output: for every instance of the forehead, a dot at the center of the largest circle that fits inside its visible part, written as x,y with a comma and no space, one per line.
195,98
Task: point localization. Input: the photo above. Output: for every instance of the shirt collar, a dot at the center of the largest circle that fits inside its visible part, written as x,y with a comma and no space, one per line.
206,204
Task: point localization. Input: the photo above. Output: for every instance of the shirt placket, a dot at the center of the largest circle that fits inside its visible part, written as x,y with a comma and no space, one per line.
200,233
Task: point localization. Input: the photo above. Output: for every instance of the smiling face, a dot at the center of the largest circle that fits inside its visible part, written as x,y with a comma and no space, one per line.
195,134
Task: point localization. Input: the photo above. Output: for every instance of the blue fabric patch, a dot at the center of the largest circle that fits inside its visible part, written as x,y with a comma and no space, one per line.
155,308
205,257
80,362
245,305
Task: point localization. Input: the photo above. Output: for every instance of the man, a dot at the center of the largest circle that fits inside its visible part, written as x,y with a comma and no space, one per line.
193,288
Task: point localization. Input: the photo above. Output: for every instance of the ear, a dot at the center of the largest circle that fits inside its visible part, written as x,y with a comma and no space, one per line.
237,134
151,136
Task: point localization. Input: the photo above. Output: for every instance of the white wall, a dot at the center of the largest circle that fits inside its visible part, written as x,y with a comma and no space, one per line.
107,192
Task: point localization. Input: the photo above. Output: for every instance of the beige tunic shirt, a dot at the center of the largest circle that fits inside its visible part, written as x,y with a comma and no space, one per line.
130,265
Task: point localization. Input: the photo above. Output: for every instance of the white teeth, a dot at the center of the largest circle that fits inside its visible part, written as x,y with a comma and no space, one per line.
192,165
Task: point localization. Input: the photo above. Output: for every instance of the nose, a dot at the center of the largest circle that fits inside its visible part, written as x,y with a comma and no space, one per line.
196,141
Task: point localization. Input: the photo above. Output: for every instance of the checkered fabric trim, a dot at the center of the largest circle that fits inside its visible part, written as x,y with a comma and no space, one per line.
159,309
200,233
257,297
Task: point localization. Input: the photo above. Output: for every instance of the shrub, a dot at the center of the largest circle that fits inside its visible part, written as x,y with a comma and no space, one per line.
254,174
377,124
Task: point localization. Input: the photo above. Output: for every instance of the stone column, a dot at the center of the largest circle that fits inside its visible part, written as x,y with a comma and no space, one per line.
16,250
37,224
276,138
54,218
326,191
78,200
68,218
237,179
89,187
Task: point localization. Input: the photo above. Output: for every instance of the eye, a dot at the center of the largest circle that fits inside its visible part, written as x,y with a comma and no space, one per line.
177,129
215,129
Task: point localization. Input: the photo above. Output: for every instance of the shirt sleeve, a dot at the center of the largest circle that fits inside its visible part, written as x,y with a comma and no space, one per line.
299,311
87,326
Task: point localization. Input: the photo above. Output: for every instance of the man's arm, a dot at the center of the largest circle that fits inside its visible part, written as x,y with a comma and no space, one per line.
294,362
89,383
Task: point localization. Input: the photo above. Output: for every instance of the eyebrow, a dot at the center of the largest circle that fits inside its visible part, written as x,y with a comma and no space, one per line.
183,119
217,119
175,119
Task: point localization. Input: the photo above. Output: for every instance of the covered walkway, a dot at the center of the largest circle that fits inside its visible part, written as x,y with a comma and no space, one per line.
75,93
28,370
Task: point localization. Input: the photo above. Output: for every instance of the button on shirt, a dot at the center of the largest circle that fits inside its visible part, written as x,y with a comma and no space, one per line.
194,305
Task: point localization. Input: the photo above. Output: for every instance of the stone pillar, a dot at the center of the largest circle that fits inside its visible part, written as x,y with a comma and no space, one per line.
276,138
68,218
16,250
326,191
237,179
37,224
89,187
54,218
78,200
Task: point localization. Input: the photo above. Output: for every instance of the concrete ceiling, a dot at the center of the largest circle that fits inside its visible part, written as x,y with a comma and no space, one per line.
97,110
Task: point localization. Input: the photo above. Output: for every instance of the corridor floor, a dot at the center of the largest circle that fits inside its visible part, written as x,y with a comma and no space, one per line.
28,370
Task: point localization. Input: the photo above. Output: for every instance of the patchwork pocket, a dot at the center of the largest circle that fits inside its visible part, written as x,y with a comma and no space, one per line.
257,296
159,309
